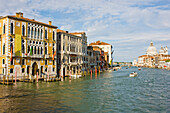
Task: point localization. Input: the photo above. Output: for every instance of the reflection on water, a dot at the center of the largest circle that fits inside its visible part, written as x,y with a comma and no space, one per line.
108,92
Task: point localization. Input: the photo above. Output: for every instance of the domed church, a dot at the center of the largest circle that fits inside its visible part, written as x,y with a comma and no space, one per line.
163,51
151,50
154,59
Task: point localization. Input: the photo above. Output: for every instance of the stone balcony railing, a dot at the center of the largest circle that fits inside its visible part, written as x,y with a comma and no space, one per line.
46,56
24,55
73,63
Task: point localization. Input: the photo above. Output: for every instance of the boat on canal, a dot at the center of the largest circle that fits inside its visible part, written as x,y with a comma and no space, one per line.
133,74
76,76
139,68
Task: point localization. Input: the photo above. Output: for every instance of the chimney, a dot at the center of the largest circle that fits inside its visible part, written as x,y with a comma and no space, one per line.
49,22
19,14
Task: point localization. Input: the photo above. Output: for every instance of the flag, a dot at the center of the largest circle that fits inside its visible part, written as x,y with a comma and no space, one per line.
54,55
11,51
31,51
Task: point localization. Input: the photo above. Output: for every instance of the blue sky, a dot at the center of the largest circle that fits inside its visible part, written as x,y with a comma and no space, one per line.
129,25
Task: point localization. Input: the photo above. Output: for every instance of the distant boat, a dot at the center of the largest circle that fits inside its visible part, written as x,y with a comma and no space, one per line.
133,74
110,70
76,76
139,68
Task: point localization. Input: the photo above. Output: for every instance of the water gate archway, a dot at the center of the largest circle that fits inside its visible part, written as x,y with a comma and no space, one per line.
34,68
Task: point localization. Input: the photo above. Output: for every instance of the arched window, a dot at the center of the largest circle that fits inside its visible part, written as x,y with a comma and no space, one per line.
46,50
28,31
3,61
12,28
28,49
32,32
4,29
45,34
53,35
38,50
35,50
28,69
23,48
41,50
32,49
4,49
23,30
41,33
38,33
35,33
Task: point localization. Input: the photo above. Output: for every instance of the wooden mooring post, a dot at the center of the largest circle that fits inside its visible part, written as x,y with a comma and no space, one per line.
12,79
7,80
3,80
15,77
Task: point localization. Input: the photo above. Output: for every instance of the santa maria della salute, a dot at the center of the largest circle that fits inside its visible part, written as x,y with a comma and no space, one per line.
153,51
154,59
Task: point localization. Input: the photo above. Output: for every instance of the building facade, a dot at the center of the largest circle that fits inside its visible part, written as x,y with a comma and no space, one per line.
27,46
71,51
106,48
102,61
155,59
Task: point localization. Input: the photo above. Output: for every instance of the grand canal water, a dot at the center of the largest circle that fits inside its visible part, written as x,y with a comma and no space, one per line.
108,92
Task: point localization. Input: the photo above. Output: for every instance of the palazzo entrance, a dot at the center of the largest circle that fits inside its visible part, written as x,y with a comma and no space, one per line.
34,68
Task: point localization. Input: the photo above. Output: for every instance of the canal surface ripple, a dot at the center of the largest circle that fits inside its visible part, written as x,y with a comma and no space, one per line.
108,92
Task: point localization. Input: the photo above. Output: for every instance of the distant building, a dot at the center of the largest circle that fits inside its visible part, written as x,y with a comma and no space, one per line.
163,51
107,48
134,63
91,59
151,50
154,59
27,46
101,61
71,52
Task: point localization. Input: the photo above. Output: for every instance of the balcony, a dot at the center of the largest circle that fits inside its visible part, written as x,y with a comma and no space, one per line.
46,56
85,61
73,63
98,61
23,55
36,56
93,64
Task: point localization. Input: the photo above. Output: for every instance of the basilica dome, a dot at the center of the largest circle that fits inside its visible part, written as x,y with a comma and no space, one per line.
161,51
151,50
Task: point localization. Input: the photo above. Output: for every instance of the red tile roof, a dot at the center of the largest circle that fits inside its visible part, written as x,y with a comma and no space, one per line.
29,20
75,33
99,43
59,30
164,59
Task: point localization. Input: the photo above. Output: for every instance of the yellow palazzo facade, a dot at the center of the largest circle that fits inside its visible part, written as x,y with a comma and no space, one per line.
27,46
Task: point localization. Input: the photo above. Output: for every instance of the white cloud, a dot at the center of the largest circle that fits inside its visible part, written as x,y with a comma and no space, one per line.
119,22
66,27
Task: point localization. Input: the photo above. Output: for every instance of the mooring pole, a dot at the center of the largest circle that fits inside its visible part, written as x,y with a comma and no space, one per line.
37,77
15,77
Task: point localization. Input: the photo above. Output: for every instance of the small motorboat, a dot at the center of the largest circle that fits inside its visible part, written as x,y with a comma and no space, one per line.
133,74
76,76
139,68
